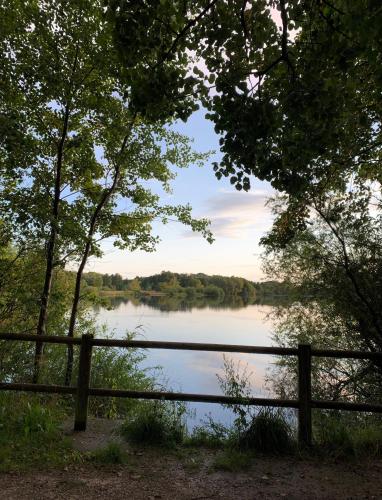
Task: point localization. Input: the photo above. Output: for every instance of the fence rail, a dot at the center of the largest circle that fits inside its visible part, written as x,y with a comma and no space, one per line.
303,404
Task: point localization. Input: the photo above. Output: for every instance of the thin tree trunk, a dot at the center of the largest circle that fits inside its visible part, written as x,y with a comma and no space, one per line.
92,228
51,246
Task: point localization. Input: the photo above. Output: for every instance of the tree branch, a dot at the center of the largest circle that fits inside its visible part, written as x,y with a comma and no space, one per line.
183,31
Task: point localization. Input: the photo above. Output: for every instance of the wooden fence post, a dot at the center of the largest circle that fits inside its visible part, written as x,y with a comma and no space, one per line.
304,395
82,396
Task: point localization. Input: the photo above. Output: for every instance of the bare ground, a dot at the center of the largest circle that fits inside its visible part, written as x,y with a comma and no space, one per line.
157,474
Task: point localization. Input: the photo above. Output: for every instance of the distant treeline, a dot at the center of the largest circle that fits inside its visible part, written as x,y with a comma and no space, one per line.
187,284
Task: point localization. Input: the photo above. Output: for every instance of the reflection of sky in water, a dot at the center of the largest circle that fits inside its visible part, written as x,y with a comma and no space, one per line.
195,371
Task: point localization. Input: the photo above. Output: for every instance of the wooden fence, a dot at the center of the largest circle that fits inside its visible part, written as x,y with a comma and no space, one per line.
303,404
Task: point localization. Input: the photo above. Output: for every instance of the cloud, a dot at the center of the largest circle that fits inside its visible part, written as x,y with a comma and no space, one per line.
236,214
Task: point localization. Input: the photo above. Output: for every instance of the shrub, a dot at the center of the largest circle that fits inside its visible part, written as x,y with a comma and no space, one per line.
117,369
156,423
268,432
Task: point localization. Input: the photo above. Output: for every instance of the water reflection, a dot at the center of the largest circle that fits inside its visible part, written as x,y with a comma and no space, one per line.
182,303
169,319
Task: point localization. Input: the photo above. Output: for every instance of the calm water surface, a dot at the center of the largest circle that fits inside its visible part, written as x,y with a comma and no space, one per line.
193,371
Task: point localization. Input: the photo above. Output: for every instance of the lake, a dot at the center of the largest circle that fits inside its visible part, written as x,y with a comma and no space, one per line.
194,371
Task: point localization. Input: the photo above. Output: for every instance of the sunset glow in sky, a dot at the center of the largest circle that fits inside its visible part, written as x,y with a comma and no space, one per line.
238,220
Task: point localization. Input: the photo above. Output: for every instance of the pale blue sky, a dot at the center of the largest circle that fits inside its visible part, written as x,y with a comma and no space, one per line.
238,220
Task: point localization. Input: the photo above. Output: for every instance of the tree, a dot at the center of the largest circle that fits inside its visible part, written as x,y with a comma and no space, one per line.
296,85
294,90
134,285
336,265
74,146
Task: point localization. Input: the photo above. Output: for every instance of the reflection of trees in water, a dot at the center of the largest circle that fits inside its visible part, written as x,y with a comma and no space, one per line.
182,303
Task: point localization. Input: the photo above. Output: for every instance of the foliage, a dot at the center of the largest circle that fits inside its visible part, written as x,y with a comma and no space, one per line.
292,87
210,435
156,423
111,368
118,369
336,267
21,279
175,283
265,430
77,38
30,433
236,383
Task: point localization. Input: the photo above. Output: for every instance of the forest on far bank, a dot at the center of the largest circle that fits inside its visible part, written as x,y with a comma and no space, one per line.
191,285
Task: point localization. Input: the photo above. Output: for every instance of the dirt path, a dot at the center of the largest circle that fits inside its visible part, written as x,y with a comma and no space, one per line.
167,478
151,474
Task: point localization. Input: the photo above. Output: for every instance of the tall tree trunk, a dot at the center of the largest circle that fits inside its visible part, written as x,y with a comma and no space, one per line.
51,246
92,228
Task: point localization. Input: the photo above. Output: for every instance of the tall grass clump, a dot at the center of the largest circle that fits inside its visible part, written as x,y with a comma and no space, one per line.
268,432
111,454
30,432
156,423
265,430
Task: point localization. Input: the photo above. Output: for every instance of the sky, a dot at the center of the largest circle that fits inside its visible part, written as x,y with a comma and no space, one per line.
238,221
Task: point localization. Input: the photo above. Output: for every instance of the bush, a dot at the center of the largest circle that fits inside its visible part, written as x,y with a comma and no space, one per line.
268,432
156,423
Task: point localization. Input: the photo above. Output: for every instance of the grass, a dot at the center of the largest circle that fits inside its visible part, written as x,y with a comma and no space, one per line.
343,436
268,432
156,423
210,435
112,454
30,434
233,460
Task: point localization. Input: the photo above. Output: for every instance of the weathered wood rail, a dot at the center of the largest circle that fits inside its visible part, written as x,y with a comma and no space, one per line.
303,404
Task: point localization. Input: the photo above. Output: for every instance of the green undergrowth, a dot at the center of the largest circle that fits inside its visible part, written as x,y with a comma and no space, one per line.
156,423
344,435
31,436
30,433
210,435
111,454
161,424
